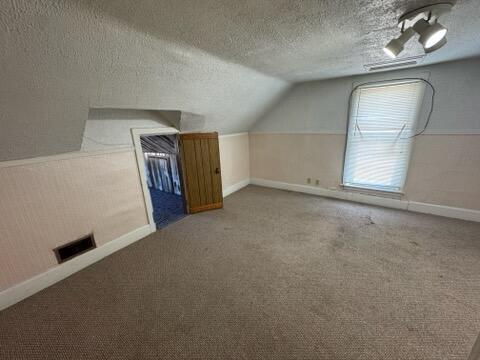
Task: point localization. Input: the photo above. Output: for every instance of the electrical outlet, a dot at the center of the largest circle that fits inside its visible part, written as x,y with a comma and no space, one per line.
317,182
309,180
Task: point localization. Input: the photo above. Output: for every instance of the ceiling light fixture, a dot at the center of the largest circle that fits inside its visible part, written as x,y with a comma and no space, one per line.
423,21
430,35
395,46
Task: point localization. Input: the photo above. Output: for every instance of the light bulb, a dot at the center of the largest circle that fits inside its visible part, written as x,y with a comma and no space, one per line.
430,35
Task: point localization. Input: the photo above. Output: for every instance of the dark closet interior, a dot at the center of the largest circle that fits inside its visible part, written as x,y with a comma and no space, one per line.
162,169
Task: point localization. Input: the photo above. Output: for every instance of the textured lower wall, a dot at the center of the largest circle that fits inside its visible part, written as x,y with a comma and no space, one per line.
443,169
234,159
46,204
293,158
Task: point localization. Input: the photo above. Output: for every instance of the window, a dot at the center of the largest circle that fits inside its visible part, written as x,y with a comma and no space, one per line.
383,119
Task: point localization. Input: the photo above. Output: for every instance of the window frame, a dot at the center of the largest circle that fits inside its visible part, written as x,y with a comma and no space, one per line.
397,194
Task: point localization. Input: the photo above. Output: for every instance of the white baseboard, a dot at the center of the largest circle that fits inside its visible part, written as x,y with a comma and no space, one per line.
39,282
447,211
235,187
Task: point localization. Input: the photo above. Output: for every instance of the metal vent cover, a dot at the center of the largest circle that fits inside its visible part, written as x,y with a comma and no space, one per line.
72,249
395,64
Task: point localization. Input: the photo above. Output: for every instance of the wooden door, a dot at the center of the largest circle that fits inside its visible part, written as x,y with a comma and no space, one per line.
201,171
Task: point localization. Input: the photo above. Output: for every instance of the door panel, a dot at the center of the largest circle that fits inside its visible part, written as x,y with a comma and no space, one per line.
190,176
215,169
207,173
201,171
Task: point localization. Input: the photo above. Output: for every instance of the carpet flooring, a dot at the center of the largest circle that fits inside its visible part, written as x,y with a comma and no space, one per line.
273,275
167,207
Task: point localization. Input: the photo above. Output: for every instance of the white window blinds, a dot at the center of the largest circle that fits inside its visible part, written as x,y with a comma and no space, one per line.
382,121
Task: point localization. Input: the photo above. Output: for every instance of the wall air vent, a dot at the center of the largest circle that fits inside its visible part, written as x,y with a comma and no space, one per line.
395,64
74,248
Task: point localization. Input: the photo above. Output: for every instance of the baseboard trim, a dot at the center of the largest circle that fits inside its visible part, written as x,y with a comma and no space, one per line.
21,291
235,187
446,211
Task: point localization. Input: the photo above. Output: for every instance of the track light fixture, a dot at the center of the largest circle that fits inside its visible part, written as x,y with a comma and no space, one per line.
423,21
395,46
430,35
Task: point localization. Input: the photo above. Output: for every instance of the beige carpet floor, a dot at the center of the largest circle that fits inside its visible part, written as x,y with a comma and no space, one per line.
273,275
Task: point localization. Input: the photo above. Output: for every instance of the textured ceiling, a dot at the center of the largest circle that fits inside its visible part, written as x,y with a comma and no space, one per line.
224,60
295,40
59,59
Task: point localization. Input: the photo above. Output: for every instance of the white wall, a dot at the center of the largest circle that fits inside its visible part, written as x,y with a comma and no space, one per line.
235,161
51,201
321,106
303,136
110,128
59,59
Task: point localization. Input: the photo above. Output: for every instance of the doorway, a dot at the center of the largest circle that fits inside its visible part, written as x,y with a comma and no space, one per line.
158,158
161,158
179,173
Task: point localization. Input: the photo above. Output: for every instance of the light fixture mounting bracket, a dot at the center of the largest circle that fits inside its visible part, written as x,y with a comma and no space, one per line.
430,13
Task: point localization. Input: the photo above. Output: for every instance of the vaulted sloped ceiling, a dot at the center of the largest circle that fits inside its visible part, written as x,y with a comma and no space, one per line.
58,60
296,40
226,60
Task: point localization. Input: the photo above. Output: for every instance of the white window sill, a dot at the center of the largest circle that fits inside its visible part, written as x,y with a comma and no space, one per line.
367,191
